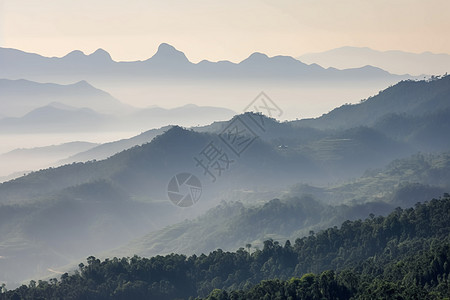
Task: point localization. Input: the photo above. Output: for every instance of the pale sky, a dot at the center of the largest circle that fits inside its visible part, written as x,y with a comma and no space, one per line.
223,30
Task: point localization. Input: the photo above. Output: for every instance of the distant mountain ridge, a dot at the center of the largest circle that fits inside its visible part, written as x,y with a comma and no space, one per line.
168,61
26,159
18,97
30,106
397,62
51,118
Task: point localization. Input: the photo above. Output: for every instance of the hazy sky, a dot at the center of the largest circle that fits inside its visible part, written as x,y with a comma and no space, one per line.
218,30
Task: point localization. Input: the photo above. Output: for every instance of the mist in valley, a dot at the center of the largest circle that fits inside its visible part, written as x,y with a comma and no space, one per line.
196,161
112,196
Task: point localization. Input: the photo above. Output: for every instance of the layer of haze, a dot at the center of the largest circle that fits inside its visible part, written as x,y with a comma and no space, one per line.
95,207
218,30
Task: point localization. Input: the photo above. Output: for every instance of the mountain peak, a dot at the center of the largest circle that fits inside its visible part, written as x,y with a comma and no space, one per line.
75,54
164,47
255,58
61,106
82,83
168,53
101,54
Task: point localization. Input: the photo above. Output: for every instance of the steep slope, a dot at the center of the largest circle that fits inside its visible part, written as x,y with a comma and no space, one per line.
407,97
106,150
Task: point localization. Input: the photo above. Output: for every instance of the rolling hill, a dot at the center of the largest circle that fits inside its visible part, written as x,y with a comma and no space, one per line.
109,202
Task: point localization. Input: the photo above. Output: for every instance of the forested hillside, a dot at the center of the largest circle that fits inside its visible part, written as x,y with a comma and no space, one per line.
402,256
301,209
55,217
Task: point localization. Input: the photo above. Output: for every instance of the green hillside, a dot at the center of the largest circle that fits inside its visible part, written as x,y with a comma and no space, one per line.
404,255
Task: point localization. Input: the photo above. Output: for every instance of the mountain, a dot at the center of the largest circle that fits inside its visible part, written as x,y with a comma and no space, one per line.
389,135
143,170
106,150
31,107
186,115
168,57
131,189
302,209
338,153
411,98
169,62
56,118
288,67
223,226
72,223
18,97
308,155
105,204
14,62
77,194
99,205
404,255
420,132
396,62
40,157
169,78
54,150
406,179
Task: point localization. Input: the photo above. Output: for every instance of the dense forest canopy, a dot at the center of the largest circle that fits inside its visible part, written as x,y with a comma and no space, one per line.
401,256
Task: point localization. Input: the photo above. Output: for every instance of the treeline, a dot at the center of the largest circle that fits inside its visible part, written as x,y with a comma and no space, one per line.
420,276
402,256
